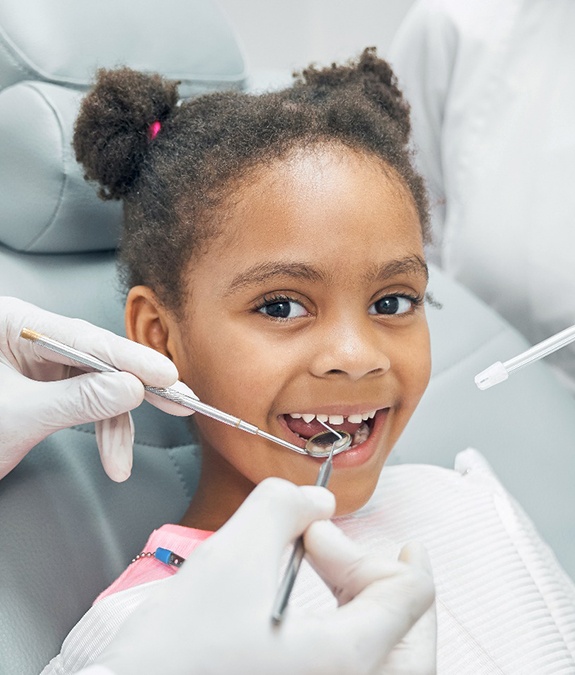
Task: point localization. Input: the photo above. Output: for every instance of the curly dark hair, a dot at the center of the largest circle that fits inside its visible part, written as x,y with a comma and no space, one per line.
173,184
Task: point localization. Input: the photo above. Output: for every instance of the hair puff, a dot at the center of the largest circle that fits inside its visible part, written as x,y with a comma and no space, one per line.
111,135
370,77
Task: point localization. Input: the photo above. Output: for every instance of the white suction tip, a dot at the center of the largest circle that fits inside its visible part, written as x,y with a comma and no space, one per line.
491,376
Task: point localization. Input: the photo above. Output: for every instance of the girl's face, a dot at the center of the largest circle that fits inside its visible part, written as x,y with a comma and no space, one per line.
309,304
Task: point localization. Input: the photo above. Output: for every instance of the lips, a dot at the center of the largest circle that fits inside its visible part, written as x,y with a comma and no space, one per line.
306,425
361,452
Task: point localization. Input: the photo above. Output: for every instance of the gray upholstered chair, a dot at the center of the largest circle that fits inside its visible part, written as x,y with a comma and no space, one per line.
66,531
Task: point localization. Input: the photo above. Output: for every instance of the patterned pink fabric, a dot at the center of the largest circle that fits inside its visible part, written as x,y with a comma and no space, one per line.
177,538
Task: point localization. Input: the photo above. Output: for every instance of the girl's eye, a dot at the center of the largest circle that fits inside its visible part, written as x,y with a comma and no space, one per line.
393,304
282,308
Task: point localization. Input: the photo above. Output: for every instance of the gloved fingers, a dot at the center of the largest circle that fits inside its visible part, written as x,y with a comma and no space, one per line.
50,406
342,563
115,439
415,553
348,569
145,363
416,653
169,406
272,516
391,606
282,512
237,568
86,398
41,364
383,597
33,410
93,396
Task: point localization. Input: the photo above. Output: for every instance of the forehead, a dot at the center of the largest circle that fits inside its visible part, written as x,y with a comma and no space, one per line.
332,206
325,185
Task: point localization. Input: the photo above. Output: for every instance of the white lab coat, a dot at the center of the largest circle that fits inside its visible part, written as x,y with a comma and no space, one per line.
492,89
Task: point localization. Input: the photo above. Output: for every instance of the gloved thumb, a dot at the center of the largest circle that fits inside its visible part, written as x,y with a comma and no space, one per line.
381,600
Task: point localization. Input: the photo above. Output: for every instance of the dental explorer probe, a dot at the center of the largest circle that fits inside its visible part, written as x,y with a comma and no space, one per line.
170,393
499,372
298,551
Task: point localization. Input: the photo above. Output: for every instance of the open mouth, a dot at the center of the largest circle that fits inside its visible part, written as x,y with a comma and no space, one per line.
306,425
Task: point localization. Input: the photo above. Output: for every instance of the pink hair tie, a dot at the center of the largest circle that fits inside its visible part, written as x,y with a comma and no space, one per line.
154,130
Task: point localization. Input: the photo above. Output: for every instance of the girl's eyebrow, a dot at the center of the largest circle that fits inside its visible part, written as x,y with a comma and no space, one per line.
411,265
265,271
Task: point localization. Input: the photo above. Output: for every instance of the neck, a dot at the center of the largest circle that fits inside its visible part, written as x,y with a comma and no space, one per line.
221,491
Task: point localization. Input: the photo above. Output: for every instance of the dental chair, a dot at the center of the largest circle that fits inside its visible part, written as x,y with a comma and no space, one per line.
66,530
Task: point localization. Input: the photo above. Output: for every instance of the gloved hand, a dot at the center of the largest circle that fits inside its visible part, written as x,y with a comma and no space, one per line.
213,617
391,588
41,392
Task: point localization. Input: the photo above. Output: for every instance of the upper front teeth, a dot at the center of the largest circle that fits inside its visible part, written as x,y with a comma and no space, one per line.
335,419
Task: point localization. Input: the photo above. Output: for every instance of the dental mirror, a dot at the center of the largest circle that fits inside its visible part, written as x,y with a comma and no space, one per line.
320,444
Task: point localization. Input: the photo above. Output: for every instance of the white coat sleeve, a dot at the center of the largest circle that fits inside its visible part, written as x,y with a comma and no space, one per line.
423,55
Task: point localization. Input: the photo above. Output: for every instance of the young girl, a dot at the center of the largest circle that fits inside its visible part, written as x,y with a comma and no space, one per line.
274,250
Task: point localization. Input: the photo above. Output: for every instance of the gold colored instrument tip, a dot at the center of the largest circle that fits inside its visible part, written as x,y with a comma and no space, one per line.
29,334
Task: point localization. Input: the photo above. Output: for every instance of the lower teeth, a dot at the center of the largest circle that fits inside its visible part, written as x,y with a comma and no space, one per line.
361,435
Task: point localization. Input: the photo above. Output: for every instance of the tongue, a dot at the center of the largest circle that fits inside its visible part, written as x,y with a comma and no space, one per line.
307,430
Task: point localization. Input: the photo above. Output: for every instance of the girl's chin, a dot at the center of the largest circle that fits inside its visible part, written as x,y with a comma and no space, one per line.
351,496
354,488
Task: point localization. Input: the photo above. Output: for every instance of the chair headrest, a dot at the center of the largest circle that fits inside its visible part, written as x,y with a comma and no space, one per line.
46,206
49,53
63,42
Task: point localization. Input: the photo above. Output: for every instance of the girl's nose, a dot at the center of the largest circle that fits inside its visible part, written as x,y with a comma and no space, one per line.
353,351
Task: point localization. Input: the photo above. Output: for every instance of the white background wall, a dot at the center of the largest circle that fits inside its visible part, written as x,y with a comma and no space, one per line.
289,34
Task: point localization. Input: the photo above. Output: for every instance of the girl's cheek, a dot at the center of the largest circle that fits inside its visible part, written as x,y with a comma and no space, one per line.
417,364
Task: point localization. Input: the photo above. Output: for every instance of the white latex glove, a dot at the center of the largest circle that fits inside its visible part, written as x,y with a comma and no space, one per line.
213,617
41,392
333,556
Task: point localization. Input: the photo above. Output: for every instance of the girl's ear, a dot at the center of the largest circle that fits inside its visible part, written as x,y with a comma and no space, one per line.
147,320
